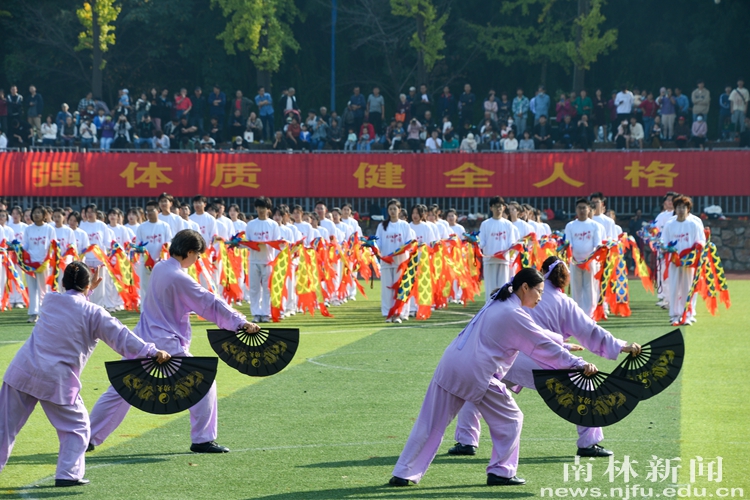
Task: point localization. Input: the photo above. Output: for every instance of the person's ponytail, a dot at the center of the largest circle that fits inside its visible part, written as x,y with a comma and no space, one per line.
527,275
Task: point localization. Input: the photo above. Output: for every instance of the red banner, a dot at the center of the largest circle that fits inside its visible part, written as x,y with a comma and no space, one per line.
709,173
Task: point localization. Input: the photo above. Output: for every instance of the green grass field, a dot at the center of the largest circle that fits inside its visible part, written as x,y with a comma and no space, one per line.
332,425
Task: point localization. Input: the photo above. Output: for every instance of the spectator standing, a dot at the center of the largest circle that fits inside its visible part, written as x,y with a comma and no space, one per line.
466,105
15,104
242,104
600,114
376,110
357,105
541,105
504,108
87,101
424,103
667,104
490,105
699,131
649,109
738,99
624,103
62,115
182,104
165,107
564,108
198,113
154,111
701,98
725,114
142,107
265,106
682,103
446,103
412,135
520,109
34,110
217,104
3,112
403,109
583,104
288,102
612,108
108,133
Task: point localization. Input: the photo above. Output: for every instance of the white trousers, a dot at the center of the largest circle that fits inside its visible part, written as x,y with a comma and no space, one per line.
388,277
260,289
496,274
583,289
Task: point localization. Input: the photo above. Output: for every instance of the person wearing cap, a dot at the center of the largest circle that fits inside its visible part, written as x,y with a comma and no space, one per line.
557,313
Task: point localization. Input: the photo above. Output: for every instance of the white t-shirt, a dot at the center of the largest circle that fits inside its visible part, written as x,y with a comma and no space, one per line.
206,226
583,237
225,231
496,235
190,225
286,233
423,232
683,235
262,230
122,234
346,229
305,231
609,225
433,145
524,228
458,230
82,240
153,235
296,233
354,224
391,239
624,102
99,235
37,240
65,238
175,223
330,227
132,227
17,230
238,226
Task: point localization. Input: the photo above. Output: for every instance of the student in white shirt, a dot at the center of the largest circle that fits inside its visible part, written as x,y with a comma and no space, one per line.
346,218
391,234
515,210
17,225
259,230
440,221
682,232
424,232
451,218
662,288
597,204
238,224
290,306
81,238
584,235
6,234
134,219
496,234
184,213
98,235
208,228
37,240
175,222
123,236
221,216
153,234
65,238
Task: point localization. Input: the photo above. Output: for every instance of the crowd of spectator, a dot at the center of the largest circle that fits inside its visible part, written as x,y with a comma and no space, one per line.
418,121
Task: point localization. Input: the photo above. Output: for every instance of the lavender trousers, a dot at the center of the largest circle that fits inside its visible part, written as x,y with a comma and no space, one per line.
70,421
438,410
110,410
468,429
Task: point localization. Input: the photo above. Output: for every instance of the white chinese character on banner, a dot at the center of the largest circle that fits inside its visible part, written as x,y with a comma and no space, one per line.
710,469
660,469
581,472
624,469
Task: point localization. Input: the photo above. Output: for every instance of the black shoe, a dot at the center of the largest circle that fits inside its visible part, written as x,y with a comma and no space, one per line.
62,483
209,447
398,481
594,451
463,449
90,447
495,480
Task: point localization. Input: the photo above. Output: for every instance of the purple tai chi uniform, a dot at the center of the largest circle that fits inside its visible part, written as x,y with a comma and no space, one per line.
470,370
559,313
165,320
47,369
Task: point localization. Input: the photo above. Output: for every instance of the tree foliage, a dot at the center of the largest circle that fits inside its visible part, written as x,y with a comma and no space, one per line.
260,27
429,39
107,13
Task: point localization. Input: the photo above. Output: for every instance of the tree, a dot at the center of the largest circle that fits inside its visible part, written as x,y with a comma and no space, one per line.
97,17
428,40
550,31
261,27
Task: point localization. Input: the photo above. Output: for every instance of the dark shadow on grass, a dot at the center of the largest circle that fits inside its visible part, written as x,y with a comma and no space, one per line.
546,460
386,491
41,492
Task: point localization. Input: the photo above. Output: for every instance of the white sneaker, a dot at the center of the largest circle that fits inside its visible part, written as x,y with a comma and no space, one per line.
397,320
388,320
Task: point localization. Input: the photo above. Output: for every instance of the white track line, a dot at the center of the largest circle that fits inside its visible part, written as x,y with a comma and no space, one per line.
415,326
11,341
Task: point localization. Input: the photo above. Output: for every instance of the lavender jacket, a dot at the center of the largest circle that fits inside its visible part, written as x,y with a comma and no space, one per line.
559,313
48,366
172,296
489,345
